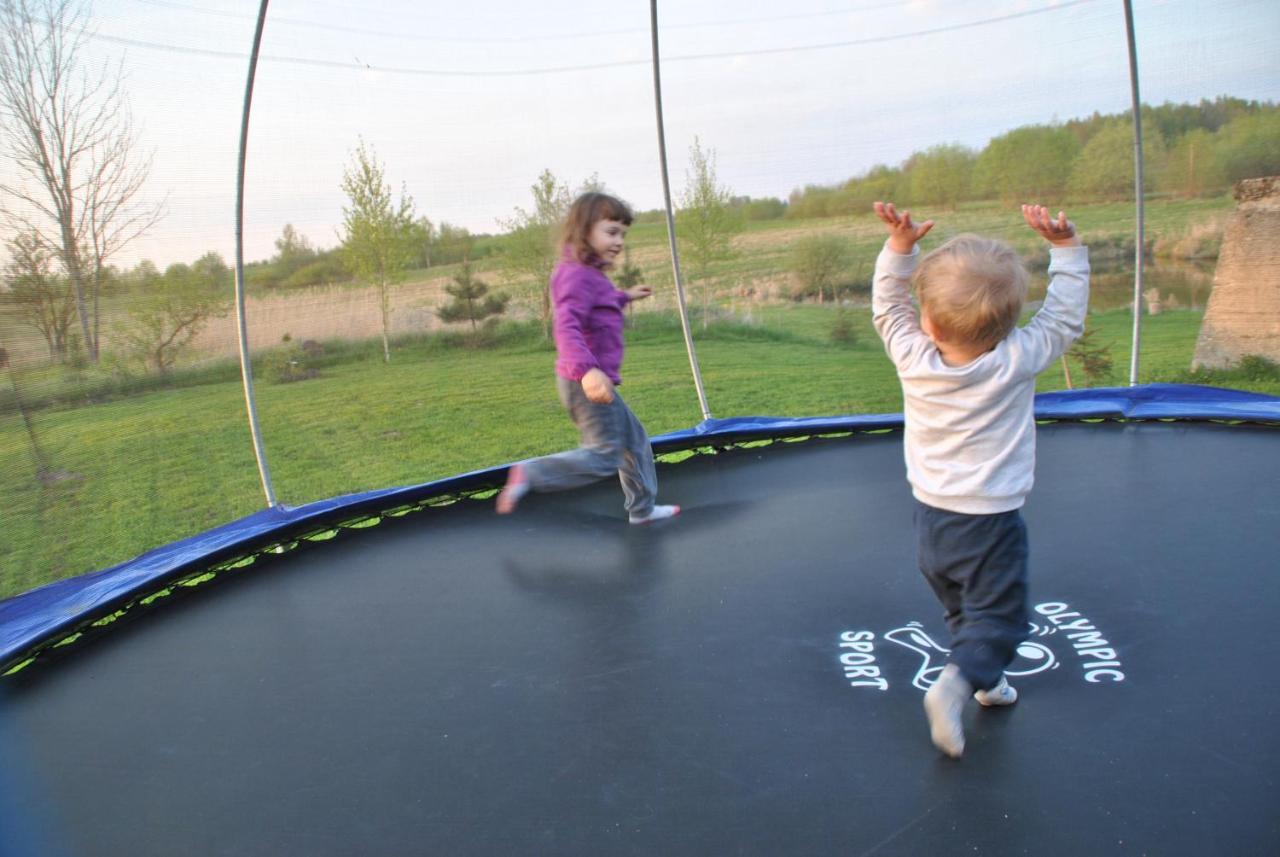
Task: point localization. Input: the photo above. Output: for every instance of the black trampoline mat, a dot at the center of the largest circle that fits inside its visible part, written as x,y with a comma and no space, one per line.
740,680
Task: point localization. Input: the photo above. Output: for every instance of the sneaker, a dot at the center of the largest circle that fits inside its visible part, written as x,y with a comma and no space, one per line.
943,705
657,513
1001,694
517,486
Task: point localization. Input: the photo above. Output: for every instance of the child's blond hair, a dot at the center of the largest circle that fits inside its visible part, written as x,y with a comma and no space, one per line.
972,289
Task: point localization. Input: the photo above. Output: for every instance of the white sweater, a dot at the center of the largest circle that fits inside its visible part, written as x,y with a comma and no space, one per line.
970,430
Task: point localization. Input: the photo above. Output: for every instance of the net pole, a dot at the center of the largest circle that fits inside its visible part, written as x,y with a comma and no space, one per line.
246,368
1140,226
671,220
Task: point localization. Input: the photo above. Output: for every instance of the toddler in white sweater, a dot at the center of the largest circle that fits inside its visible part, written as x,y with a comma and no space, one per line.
968,382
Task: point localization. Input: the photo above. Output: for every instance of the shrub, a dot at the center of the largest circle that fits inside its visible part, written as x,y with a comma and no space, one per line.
1255,367
296,362
818,263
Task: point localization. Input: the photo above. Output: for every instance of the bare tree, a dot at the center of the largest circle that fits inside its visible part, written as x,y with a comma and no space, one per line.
67,132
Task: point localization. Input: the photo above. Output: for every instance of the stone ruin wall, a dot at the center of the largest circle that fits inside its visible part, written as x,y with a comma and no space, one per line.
1243,314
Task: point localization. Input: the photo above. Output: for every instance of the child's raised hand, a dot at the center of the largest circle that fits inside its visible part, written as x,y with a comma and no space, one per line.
1059,232
598,387
903,234
635,293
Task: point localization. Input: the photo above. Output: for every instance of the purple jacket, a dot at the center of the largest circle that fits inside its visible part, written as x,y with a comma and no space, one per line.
588,320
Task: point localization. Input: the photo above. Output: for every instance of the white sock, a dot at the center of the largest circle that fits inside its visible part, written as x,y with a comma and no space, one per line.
656,514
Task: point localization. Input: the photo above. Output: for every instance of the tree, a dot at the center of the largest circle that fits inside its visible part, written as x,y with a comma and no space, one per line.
879,183
1193,167
292,265
452,244
765,208
378,232
176,309
424,240
1094,359
39,298
1104,168
530,250
1249,146
940,175
628,275
69,136
471,300
1032,162
143,275
705,224
818,261
810,201
293,250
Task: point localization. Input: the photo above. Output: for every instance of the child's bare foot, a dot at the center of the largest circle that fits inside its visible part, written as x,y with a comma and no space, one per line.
657,514
943,704
517,486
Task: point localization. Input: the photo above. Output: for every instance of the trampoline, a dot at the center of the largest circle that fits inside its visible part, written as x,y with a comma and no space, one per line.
745,679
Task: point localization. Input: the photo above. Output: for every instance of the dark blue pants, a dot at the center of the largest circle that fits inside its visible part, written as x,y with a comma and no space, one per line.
977,566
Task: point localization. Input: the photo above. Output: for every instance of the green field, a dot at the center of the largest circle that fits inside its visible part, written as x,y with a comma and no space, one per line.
145,465
768,242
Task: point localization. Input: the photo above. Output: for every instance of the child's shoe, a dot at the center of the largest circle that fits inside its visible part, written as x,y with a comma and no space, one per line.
517,486
943,704
1001,694
658,513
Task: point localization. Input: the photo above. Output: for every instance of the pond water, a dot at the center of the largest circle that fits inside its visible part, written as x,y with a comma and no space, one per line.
1182,285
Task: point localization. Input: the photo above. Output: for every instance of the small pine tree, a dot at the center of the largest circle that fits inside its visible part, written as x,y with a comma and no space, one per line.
844,329
471,300
1094,359
629,276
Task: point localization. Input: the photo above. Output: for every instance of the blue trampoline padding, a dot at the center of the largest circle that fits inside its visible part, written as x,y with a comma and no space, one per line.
32,618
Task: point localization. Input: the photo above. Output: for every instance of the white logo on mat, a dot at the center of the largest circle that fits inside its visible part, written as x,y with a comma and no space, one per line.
1099,660
1032,658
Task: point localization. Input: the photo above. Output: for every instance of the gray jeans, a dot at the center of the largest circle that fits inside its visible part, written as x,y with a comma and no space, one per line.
613,441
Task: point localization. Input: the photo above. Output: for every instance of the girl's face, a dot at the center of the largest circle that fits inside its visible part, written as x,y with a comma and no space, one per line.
606,239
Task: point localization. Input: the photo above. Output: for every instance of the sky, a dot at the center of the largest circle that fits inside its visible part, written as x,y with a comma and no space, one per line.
465,104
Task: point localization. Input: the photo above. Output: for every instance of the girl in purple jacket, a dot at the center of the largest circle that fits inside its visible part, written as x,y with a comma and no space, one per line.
588,333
